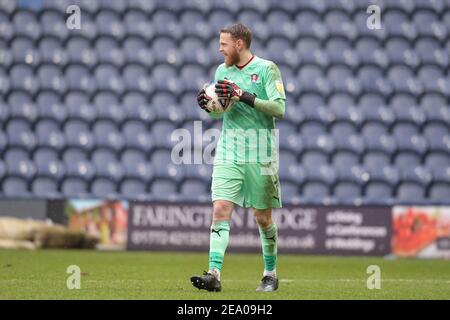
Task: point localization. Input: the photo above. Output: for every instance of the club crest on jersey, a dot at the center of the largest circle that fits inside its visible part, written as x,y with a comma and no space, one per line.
254,77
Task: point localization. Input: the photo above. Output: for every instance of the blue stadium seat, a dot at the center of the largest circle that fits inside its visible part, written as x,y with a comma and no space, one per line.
194,190
349,183
164,166
78,135
311,52
52,25
371,52
290,193
194,77
435,159
22,107
104,188
107,136
414,181
165,78
310,25
137,51
372,130
202,172
52,51
19,135
440,187
436,112
137,24
108,78
382,182
23,79
6,26
80,51
45,187
409,116
79,168
433,79
50,107
48,164
139,169
194,24
49,135
137,136
339,24
51,78
318,182
379,150
162,133
109,51
136,79
428,25
134,189
340,51
431,52
317,151
90,7
26,24
15,188
79,108
19,165
137,107
166,23
79,78
74,188
3,142
217,19
404,80
433,130
410,150
163,189
398,25
108,107
109,23
5,84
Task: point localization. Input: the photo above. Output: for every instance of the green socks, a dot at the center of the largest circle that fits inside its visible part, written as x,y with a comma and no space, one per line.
269,247
218,242
220,233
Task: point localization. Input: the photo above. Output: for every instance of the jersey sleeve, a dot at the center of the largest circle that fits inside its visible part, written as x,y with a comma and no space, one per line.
273,83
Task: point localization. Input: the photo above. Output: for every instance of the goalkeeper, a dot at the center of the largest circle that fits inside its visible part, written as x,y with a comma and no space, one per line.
245,168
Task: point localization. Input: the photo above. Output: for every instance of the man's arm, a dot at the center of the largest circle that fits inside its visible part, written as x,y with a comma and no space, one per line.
273,84
274,108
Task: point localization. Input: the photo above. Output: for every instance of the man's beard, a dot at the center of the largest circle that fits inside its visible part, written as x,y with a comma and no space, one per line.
232,59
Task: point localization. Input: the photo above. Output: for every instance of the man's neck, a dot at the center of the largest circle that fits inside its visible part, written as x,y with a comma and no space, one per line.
244,59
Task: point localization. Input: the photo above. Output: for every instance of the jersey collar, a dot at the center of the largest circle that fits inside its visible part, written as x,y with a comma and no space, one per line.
246,64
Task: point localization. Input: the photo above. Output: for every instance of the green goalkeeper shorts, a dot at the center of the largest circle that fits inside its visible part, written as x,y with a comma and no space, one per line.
257,184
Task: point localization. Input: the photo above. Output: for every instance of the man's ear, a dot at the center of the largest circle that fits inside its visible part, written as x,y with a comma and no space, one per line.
239,44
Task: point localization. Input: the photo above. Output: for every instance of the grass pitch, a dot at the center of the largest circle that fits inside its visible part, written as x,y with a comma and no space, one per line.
154,275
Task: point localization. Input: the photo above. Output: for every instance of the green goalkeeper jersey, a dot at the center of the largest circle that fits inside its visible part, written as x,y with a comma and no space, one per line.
248,135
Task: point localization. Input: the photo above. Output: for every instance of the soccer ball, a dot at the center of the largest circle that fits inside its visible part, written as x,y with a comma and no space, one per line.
217,104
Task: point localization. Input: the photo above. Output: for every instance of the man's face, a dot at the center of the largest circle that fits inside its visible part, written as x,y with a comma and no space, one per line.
228,47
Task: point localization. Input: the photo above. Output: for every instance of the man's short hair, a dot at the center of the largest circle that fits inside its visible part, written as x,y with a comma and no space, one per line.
239,31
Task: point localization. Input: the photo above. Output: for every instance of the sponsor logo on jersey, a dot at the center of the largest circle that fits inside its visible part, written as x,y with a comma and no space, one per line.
254,77
279,85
